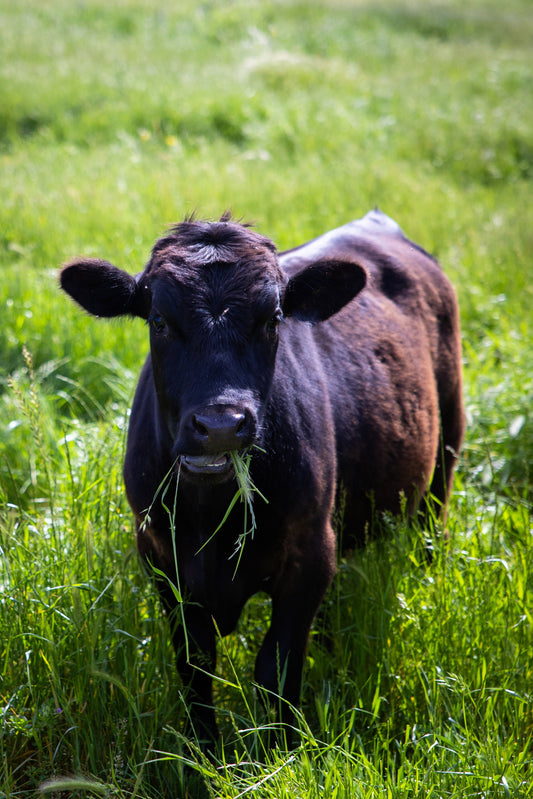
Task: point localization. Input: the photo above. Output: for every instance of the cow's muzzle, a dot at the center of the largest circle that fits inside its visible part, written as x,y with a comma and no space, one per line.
210,434
218,428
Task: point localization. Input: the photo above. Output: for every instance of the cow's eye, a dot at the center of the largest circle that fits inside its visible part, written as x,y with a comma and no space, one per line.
272,325
157,323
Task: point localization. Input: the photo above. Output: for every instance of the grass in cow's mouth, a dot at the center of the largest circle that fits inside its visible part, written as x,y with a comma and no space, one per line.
246,489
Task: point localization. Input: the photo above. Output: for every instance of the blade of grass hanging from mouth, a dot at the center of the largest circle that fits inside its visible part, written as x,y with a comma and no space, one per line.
162,488
246,489
222,523
176,589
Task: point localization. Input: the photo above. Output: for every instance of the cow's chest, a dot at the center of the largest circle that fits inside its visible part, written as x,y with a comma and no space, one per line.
219,578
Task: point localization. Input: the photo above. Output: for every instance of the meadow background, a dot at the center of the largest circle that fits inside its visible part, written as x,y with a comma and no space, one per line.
118,119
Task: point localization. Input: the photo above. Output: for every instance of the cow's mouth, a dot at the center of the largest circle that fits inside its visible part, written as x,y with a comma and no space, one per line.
208,465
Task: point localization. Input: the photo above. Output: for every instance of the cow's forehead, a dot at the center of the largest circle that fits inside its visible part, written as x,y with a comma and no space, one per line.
211,242
215,257
240,284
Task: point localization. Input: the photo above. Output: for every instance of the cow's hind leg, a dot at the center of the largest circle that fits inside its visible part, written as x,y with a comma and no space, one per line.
452,426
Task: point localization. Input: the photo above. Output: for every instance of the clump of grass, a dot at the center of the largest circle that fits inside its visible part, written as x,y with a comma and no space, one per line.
246,492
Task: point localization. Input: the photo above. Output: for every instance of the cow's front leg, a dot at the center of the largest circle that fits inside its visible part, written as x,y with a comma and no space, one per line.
194,642
295,602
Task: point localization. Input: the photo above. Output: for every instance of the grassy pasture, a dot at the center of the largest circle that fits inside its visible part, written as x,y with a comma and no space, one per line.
117,119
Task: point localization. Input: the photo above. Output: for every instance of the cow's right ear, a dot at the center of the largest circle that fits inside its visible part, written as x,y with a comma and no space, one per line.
102,289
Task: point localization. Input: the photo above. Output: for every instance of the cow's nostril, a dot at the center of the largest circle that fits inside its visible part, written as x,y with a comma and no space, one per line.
200,427
241,424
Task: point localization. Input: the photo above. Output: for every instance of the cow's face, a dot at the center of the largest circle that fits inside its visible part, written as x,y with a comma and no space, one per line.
214,297
215,310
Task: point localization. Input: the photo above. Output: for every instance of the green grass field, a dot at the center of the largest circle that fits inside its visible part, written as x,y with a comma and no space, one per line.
116,120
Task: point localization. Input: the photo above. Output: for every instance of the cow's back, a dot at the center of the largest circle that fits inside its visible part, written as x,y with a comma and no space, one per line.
392,358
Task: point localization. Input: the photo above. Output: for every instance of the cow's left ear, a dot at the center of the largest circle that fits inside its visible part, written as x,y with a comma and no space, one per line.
322,289
102,289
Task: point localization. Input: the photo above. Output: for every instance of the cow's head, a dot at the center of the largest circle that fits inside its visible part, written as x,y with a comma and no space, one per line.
214,295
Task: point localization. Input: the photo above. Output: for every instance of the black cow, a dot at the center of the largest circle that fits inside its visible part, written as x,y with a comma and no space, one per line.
339,359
